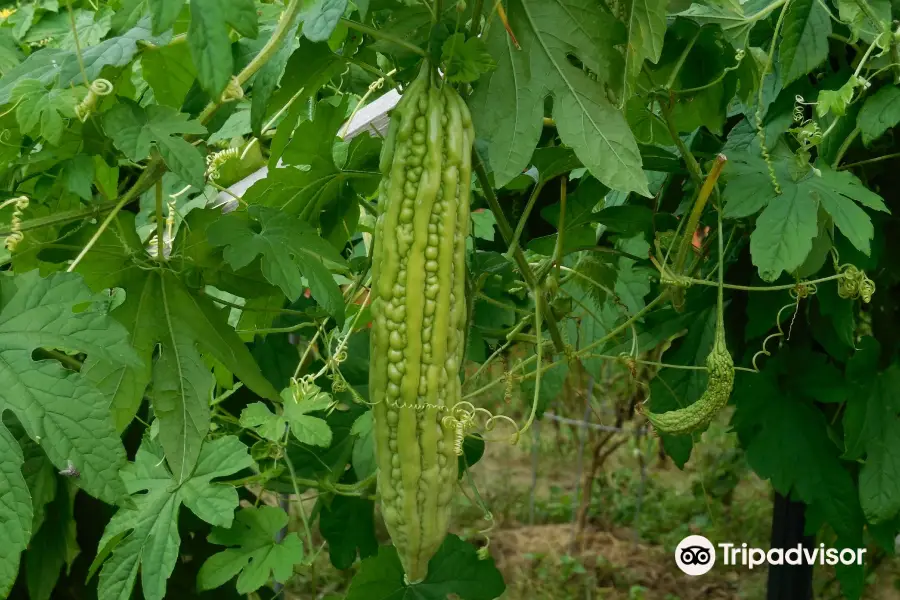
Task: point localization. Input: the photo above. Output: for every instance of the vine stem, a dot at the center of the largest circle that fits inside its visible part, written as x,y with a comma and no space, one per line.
300,508
506,232
699,205
378,34
520,226
764,288
538,352
148,176
475,25
160,238
845,146
578,353
692,165
681,59
558,251
869,161
264,55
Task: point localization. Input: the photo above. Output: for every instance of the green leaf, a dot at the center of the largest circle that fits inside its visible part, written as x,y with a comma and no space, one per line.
316,182
348,525
729,15
60,409
15,510
320,18
785,230
860,21
145,538
164,13
43,66
871,422
308,430
266,81
454,569
53,546
772,424
170,72
465,60
483,224
57,408
209,40
114,52
363,459
783,235
161,311
646,24
310,67
253,552
473,451
508,104
290,249
91,26
804,45
79,174
553,161
258,417
880,112
135,130
580,205
106,178
42,112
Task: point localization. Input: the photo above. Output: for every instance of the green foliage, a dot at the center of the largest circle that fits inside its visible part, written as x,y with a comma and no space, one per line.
348,524
135,131
290,249
509,103
466,60
57,408
133,272
146,537
254,551
785,230
455,569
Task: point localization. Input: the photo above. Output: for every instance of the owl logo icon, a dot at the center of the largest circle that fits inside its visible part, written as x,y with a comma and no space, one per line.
695,555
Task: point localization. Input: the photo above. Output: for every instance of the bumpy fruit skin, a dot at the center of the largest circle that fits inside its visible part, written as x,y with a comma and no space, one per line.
419,313
698,415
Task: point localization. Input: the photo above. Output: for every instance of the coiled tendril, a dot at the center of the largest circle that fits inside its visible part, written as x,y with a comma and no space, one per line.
855,284
233,91
97,89
15,225
215,161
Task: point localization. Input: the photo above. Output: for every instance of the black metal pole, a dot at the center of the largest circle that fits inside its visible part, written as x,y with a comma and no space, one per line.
789,582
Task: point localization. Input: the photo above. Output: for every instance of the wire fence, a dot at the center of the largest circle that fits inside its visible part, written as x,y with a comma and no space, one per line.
584,425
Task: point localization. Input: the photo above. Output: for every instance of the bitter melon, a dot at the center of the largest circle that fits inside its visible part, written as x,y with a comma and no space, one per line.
419,313
696,416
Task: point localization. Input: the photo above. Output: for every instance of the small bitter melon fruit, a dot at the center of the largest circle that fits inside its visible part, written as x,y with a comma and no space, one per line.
698,415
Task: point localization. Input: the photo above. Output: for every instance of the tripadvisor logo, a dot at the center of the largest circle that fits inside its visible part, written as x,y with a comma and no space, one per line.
696,555
798,555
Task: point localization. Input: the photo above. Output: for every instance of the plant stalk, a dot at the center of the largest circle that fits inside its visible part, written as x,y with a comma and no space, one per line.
506,232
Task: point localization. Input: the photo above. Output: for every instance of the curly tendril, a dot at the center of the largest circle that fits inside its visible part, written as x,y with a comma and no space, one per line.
168,234
97,89
799,292
799,113
215,161
233,91
15,225
855,284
